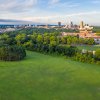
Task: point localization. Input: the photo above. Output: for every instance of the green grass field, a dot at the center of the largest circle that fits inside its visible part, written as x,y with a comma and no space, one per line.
89,47
43,77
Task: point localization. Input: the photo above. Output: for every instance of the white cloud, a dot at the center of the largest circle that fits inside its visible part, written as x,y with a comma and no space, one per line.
67,4
91,18
54,2
84,13
16,5
48,10
56,18
61,16
96,1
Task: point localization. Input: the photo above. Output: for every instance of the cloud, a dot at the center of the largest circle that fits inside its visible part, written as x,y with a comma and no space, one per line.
65,4
60,17
49,10
16,5
84,13
65,18
16,22
96,1
54,1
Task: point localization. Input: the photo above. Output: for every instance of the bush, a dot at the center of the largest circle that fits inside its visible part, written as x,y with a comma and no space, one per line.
12,53
85,58
97,55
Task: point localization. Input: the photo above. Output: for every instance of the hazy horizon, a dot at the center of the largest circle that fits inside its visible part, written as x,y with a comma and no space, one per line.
50,11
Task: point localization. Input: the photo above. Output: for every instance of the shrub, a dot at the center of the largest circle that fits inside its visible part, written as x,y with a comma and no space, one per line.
97,55
12,53
84,58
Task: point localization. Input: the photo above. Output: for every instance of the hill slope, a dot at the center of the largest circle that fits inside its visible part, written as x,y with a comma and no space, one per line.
43,77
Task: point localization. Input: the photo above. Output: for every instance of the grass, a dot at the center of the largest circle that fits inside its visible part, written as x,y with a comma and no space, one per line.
89,47
43,77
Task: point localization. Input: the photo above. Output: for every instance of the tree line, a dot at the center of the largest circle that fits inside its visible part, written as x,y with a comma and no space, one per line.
49,41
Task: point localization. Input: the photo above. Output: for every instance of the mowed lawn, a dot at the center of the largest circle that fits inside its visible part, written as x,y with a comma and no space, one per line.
88,47
43,77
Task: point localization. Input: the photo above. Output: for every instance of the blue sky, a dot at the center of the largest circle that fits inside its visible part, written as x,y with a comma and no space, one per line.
52,11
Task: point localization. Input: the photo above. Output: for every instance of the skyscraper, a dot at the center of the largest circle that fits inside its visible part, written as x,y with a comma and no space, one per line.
81,24
71,24
59,24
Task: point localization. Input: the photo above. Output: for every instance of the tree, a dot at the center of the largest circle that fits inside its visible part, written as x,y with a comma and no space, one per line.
39,38
12,53
28,45
74,40
53,43
4,36
97,54
90,41
46,39
69,40
20,38
53,38
33,37
63,40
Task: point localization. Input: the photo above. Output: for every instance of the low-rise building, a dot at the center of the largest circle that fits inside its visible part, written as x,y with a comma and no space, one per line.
84,34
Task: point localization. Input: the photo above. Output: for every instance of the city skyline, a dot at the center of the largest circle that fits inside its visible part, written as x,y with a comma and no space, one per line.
51,11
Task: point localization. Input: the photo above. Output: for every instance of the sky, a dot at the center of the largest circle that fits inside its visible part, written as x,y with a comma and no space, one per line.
51,11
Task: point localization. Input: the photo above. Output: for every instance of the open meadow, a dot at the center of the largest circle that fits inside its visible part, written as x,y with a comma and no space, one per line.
44,77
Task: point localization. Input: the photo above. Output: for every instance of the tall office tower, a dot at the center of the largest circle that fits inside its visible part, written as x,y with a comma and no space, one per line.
81,24
71,24
59,24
